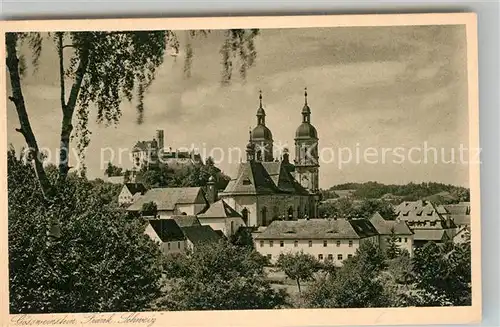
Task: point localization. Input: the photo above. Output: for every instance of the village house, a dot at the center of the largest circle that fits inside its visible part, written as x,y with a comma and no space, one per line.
428,222
220,216
326,239
459,213
130,192
179,233
172,201
266,189
200,235
396,229
167,234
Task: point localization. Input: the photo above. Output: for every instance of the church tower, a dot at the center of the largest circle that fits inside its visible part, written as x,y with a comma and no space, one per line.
306,151
261,137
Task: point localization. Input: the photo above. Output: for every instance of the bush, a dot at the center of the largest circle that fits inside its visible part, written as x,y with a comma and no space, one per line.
102,261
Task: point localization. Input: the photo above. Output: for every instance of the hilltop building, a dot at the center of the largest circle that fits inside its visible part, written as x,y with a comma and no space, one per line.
154,152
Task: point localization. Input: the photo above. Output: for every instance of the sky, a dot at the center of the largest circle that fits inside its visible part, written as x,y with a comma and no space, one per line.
368,88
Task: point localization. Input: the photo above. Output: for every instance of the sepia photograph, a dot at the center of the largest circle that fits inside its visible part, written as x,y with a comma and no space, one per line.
155,168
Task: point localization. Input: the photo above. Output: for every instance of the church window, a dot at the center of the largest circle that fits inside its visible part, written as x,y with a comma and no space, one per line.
290,213
232,227
244,214
264,216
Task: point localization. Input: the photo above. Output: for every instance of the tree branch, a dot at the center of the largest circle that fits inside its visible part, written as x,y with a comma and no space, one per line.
61,69
68,110
18,99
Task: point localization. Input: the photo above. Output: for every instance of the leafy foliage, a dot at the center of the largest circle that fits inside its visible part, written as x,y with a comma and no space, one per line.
218,276
354,285
243,238
298,266
443,273
184,176
101,262
408,192
112,170
149,209
347,208
392,250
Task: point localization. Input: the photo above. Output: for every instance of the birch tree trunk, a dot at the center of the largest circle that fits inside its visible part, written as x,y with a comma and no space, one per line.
18,99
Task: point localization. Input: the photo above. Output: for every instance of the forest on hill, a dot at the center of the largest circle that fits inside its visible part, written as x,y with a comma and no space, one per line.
436,192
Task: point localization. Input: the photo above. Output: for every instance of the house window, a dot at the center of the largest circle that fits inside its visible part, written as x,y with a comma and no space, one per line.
388,239
339,256
168,246
338,243
320,257
325,243
270,244
296,243
261,244
282,244
178,245
350,244
269,256
349,256
310,244
399,240
330,257
406,239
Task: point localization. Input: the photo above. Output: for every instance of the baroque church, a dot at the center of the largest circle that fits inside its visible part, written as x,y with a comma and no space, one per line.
267,188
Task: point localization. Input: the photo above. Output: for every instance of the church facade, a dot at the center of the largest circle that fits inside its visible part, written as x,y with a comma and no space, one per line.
267,188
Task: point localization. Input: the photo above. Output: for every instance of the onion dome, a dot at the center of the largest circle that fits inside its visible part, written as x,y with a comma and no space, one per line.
261,132
306,130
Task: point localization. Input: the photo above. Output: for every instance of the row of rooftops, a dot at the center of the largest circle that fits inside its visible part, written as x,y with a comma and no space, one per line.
418,212
181,228
324,229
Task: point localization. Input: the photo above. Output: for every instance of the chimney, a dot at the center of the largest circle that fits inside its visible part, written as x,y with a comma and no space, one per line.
211,190
160,139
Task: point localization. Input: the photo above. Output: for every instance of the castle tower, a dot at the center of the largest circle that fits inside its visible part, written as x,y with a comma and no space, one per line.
160,139
306,151
261,137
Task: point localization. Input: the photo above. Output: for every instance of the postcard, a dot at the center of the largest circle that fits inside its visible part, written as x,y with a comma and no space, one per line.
250,171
